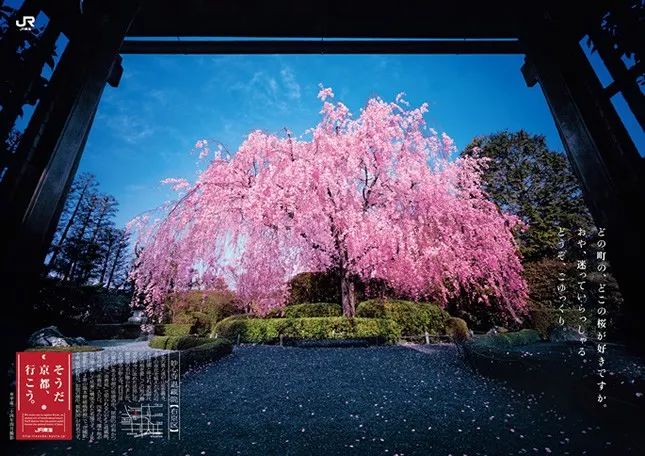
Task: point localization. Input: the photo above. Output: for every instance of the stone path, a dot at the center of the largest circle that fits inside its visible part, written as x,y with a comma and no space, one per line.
85,361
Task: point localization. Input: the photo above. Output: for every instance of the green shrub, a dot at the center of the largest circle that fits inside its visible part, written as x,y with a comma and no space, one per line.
413,318
543,278
457,329
317,309
545,319
509,339
343,328
270,330
206,353
177,342
201,309
251,330
314,287
172,329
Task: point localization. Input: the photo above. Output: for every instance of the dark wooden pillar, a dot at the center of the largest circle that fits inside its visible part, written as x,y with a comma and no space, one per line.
25,72
33,192
601,152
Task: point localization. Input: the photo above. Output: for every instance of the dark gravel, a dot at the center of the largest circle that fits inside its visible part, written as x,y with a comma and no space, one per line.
359,401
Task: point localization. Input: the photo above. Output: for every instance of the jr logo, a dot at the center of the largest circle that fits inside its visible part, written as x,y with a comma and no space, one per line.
27,23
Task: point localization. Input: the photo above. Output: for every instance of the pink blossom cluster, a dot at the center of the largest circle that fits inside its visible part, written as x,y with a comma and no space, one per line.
379,196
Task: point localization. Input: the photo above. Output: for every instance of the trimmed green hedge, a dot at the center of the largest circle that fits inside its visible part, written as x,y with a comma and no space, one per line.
269,330
177,342
508,340
206,353
413,318
173,329
315,309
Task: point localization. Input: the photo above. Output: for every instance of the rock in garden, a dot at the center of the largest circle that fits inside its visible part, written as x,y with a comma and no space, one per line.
48,337
564,334
76,341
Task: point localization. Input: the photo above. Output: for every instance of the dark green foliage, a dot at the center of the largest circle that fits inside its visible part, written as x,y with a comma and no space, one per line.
110,331
87,246
413,318
457,329
73,308
308,287
206,353
508,340
314,287
317,309
527,179
172,329
177,342
544,319
201,309
269,330
542,280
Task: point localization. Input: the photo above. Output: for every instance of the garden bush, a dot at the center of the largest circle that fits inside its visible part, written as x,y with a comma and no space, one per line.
173,329
316,309
201,309
251,330
509,339
545,319
206,353
270,330
177,342
457,329
413,318
308,287
314,287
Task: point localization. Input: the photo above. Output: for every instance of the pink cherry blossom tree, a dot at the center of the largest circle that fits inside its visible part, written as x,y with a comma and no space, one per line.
379,196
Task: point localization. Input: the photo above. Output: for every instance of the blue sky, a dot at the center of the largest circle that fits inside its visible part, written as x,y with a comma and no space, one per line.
146,128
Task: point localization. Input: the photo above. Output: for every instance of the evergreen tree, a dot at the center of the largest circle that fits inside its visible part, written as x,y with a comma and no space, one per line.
525,178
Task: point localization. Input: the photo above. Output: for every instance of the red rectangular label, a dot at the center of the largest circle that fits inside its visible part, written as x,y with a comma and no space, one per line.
43,396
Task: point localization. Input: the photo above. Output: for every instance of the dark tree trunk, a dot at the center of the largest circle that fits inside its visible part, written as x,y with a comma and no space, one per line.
70,222
86,222
348,296
117,257
106,261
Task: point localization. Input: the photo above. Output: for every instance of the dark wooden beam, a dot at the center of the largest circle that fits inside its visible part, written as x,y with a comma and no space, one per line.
322,47
32,195
602,154
26,77
624,79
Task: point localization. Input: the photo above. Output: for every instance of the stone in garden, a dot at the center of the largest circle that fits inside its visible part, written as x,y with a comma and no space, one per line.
48,337
137,317
76,340
564,334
